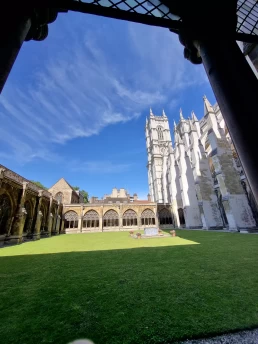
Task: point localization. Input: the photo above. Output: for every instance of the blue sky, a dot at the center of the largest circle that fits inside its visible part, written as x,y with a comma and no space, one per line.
75,104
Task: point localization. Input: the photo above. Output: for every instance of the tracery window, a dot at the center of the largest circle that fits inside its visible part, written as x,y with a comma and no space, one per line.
160,133
129,218
5,213
71,219
148,217
90,219
165,217
59,197
111,219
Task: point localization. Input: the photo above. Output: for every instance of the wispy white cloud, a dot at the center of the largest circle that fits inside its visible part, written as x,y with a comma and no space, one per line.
91,85
101,167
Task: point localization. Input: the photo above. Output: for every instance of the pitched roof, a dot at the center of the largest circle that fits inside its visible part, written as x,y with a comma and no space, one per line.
64,181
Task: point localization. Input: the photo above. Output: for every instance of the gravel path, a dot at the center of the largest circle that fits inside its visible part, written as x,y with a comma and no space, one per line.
243,337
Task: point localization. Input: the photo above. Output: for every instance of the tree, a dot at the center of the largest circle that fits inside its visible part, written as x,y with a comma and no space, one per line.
84,193
85,196
39,185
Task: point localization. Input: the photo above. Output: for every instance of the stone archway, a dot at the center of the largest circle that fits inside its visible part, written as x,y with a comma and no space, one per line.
165,217
71,220
90,219
5,214
129,218
148,217
111,219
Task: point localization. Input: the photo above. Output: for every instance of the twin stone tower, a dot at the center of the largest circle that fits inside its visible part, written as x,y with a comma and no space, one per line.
200,177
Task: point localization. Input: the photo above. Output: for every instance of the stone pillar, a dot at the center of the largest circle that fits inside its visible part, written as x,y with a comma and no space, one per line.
50,217
62,231
36,233
79,230
101,219
57,229
19,219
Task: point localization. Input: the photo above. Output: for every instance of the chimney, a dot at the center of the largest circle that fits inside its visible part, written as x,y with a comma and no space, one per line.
149,197
135,197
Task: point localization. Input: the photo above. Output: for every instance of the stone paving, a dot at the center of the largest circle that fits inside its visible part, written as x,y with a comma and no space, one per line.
243,337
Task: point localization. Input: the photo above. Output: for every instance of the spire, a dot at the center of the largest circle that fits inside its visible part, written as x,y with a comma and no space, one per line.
151,113
146,120
194,118
163,113
181,115
207,106
174,125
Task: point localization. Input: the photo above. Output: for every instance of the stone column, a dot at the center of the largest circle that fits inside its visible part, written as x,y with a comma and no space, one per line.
57,229
79,230
101,219
19,219
50,217
36,233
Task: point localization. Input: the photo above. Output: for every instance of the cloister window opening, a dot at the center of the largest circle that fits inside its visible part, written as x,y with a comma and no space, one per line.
160,133
71,220
59,197
165,217
130,218
5,213
148,217
90,219
111,219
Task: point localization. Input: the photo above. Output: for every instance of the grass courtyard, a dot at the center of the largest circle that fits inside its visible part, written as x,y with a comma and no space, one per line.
114,289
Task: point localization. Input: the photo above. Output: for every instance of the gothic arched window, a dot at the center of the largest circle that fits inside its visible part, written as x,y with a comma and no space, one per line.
160,133
111,219
148,217
165,217
5,213
59,197
129,218
90,219
71,219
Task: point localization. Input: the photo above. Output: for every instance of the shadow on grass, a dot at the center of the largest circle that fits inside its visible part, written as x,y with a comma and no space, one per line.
144,295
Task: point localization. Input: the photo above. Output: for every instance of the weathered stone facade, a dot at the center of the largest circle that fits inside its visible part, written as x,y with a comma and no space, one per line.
26,211
201,177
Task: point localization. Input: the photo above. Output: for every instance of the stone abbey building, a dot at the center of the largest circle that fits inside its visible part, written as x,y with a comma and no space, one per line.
196,183
200,176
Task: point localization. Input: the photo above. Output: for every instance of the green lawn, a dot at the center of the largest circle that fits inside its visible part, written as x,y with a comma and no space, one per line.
114,289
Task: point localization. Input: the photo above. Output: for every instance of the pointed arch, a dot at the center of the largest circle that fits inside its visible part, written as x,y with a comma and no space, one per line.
148,217
59,197
111,219
165,217
90,219
70,219
130,218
